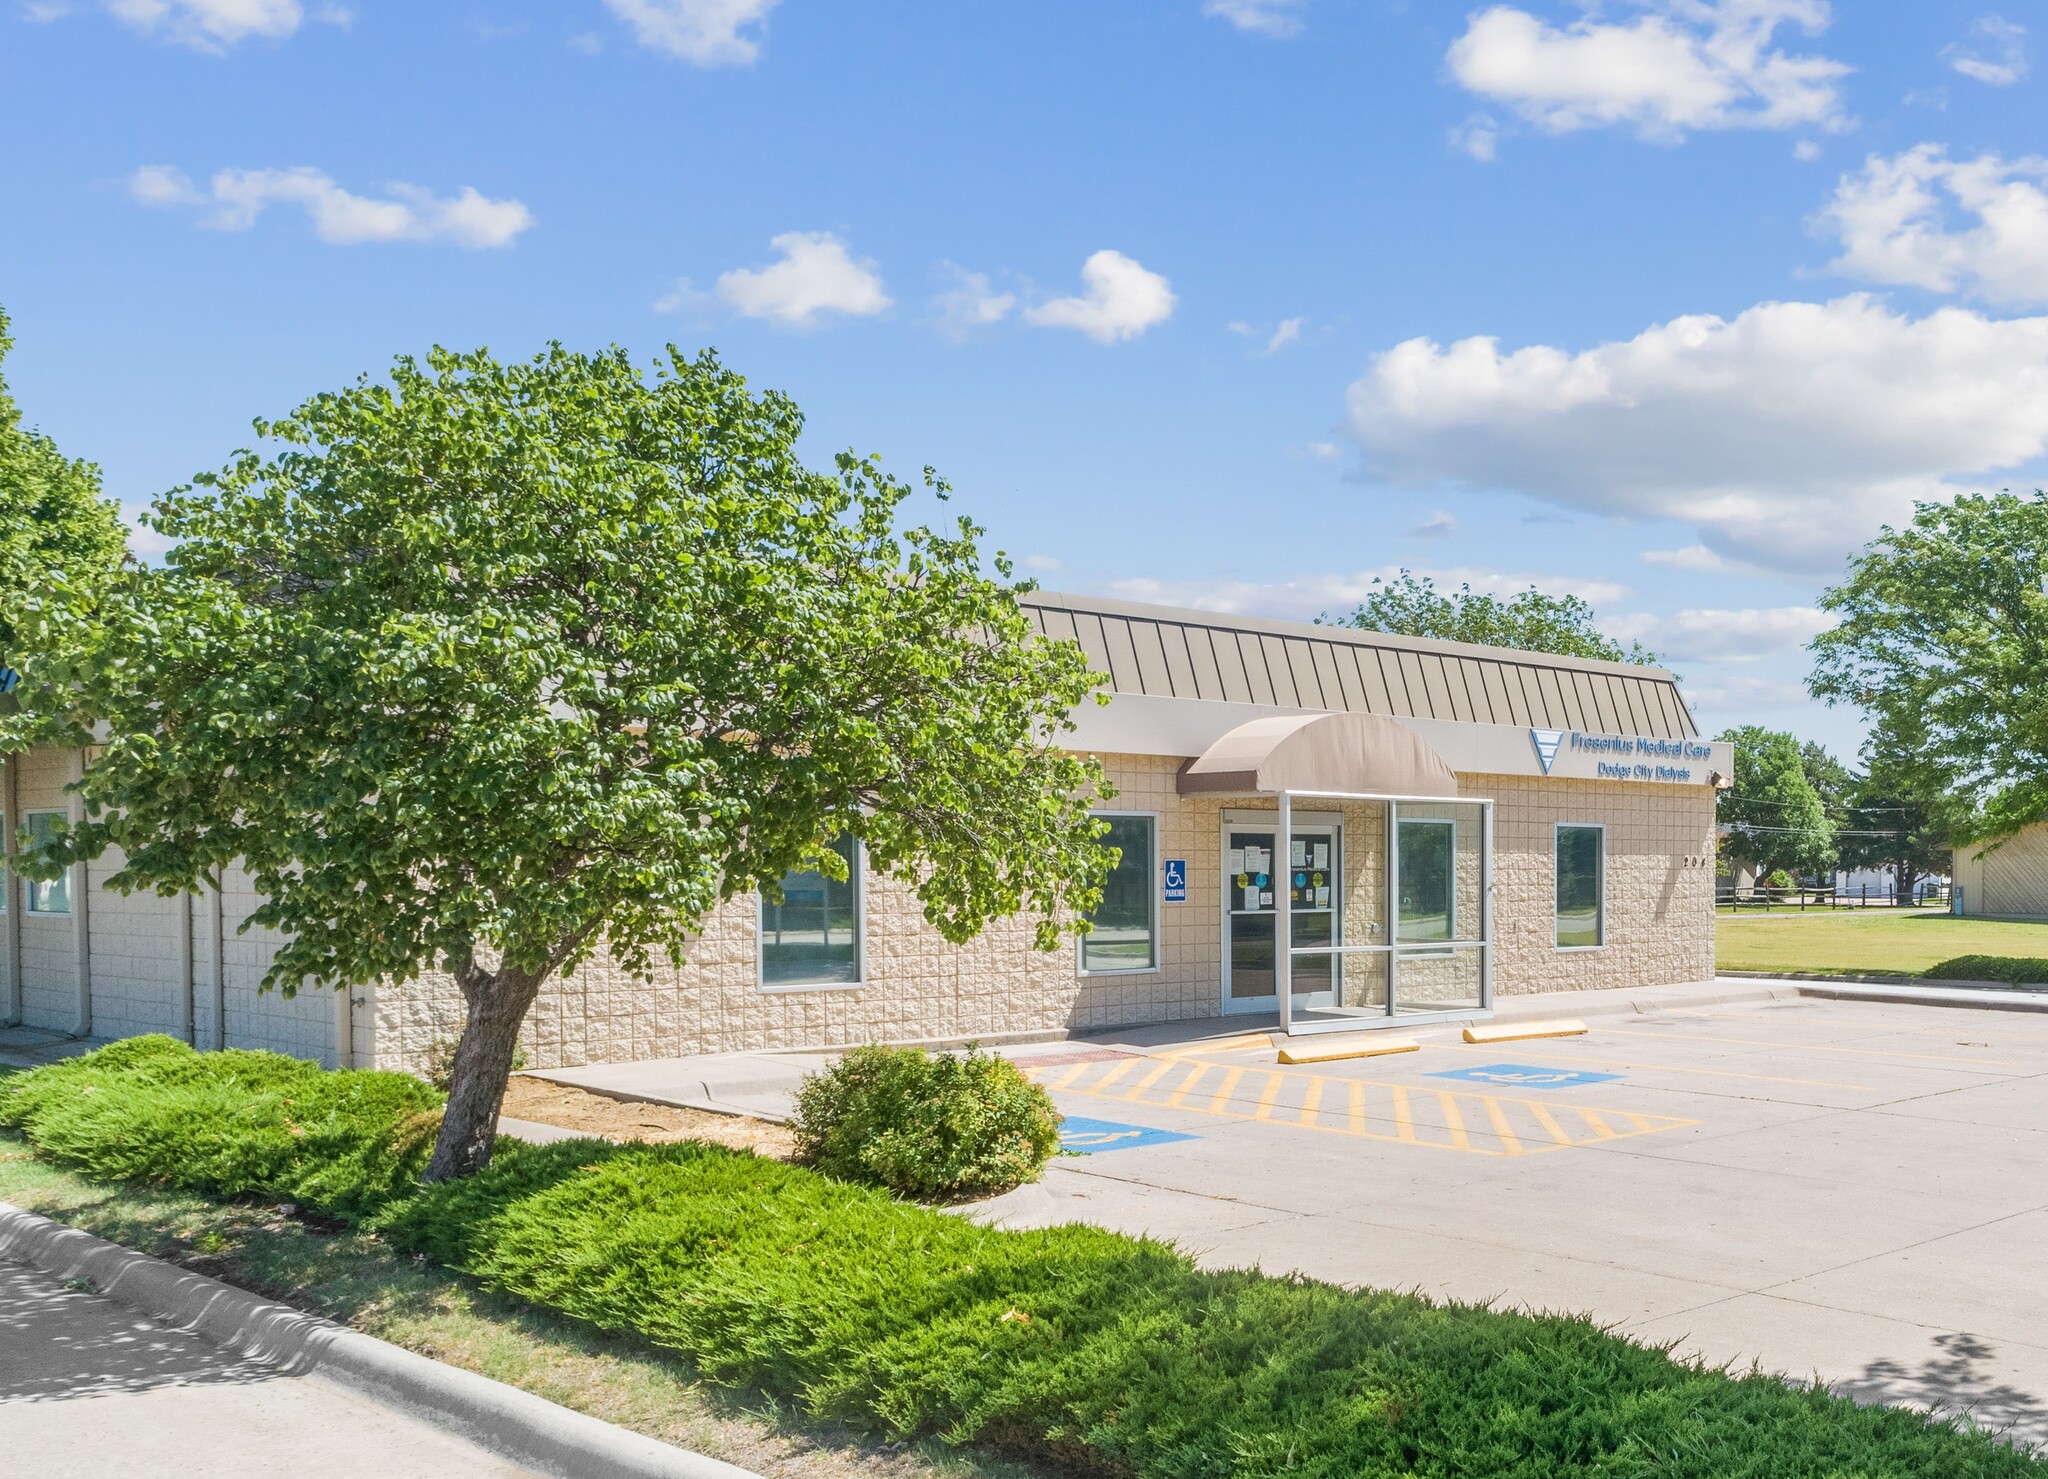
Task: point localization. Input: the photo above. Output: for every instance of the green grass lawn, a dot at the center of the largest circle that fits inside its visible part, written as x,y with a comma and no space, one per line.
1899,942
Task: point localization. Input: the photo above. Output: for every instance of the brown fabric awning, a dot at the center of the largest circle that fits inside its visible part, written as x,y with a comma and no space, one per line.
1353,754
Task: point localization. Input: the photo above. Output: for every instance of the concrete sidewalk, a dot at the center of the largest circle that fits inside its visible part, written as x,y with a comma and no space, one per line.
89,1389
31,1047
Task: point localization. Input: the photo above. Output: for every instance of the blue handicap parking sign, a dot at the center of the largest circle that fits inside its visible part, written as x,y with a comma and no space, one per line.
1523,1076
1092,1136
1176,881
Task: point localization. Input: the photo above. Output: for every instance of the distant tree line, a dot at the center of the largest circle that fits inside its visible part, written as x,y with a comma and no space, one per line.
1795,809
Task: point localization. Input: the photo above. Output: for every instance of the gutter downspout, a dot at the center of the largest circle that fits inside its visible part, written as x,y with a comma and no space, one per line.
345,1028
187,974
217,970
81,919
10,901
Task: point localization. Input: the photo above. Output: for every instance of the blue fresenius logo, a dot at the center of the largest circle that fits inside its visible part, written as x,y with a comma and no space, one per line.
1547,742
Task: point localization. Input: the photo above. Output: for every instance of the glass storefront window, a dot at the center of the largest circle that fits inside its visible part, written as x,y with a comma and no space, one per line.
52,896
1124,933
1581,887
812,938
1427,866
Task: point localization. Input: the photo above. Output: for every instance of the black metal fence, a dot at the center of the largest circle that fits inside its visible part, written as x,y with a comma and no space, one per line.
1926,894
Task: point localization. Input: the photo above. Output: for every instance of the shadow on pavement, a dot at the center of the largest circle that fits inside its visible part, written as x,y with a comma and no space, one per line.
1958,1381
57,1343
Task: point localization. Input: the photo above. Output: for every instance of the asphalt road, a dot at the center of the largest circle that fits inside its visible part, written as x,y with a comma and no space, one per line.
89,1388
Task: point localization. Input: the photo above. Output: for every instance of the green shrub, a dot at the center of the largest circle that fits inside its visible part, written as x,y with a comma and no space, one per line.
1083,1349
2014,970
924,1125
230,1123
1107,1354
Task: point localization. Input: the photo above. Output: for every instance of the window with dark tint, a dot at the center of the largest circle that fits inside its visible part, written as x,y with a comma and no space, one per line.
812,938
47,896
1123,937
1428,867
1581,887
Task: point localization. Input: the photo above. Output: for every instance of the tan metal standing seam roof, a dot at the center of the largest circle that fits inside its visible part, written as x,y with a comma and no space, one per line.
1165,652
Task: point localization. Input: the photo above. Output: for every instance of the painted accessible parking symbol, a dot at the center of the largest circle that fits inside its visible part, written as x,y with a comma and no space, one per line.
1092,1136
1523,1076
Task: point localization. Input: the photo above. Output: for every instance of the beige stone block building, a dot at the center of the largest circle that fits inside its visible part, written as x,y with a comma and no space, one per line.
1462,823
2006,879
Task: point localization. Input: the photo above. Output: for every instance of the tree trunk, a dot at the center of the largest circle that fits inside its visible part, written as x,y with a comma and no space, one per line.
1904,876
497,1003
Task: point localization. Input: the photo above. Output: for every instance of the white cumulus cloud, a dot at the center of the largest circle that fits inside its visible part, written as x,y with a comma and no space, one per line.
1680,66
1692,557
1995,51
970,303
1744,695
708,33
1285,333
816,275
1303,597
1783,436
1478,136
210,24
234,198
1721,636
1122,300
1267,17
1900,221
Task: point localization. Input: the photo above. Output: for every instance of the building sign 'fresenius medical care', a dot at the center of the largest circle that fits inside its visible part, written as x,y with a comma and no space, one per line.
1621,757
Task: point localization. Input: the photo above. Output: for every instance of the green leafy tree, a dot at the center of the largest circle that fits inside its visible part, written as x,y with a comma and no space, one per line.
1832,781
1900,816
1410,605
60,542
1776,819
498,665
1944,637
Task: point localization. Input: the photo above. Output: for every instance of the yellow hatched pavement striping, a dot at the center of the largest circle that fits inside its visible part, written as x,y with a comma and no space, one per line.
1405,1114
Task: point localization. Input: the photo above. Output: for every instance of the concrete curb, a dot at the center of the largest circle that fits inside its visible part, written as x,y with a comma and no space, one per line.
1628,1003
1932,996
1945,983
1911,991
517,1425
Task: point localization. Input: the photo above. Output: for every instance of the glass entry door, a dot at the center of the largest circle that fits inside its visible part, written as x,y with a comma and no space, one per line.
1312,870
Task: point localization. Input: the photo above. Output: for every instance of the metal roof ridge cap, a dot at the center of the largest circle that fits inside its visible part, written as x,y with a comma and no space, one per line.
1227,621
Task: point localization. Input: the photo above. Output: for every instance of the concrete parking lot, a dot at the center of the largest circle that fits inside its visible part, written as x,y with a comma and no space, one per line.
1851,1190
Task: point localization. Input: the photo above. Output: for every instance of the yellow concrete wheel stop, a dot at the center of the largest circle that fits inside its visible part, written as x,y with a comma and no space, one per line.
1374,1045
1516,1031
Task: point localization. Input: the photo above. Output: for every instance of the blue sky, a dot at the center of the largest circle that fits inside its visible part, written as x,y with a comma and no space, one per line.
1232,303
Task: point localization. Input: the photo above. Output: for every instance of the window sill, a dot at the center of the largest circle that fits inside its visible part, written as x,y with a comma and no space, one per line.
1579,949
807,988
1141,970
